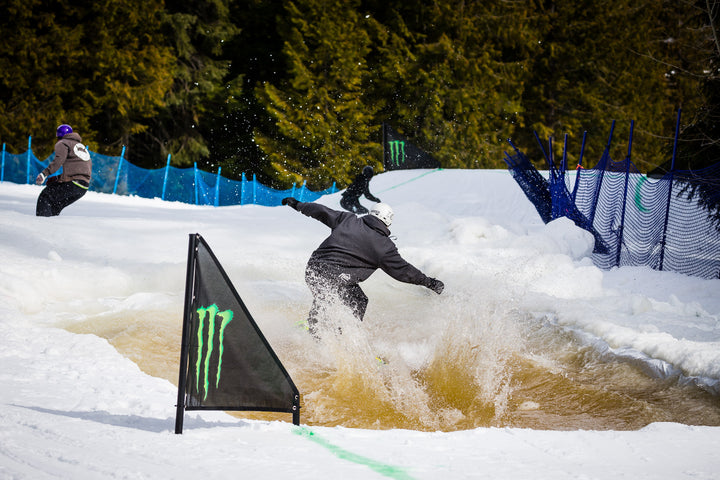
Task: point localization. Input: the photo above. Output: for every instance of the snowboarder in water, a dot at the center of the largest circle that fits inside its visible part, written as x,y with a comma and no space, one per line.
72,184
356,247
350,200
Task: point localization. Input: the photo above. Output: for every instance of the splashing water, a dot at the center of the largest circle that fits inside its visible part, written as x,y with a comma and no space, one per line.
427,364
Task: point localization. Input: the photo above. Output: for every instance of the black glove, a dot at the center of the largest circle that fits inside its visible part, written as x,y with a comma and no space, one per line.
290,201
435,285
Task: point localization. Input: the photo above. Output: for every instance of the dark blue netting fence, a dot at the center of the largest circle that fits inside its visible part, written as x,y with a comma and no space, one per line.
551,198
188,185
661,223
535,186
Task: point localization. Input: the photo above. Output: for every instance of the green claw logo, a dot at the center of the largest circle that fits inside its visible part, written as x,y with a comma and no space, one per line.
638,195
202,365
397,152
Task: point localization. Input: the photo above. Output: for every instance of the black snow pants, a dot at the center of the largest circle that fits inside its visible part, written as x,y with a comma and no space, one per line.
328,284
56,196
352,204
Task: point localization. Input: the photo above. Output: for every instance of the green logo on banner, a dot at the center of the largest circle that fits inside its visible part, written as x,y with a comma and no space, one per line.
397,152
202,365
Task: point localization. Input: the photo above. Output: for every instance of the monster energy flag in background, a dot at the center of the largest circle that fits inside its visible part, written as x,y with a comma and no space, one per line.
225,361
399,154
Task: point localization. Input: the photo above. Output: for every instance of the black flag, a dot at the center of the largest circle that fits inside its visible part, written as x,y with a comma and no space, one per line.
225,362
400,154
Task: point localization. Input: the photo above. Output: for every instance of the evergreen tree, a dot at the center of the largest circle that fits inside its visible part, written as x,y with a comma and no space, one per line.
95,66
126,67
700,134
698,155
256,54
455,74
197,32
300,93
600,62
323,127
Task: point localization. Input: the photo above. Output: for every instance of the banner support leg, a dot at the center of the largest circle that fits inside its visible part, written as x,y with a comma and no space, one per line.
189,288
296,410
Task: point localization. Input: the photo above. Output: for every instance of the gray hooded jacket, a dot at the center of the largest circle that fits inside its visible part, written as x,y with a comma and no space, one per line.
358,246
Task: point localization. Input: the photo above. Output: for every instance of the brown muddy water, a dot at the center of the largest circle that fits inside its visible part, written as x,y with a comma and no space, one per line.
505,369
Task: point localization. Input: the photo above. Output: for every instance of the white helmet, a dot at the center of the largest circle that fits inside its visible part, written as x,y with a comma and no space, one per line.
383,212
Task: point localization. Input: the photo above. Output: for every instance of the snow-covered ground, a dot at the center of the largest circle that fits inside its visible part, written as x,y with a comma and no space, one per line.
77,406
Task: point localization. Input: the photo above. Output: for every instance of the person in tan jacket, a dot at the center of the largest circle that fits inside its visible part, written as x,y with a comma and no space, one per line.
68,187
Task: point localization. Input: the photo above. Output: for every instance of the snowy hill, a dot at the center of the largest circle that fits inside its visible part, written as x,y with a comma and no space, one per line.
532,364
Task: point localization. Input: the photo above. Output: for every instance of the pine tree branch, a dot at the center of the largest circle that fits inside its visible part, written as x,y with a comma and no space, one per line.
712,24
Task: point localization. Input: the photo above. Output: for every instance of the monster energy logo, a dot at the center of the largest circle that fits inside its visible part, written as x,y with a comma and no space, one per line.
202,364
397,152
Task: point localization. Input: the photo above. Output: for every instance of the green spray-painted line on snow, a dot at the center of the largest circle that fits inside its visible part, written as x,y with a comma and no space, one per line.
381,468
411,180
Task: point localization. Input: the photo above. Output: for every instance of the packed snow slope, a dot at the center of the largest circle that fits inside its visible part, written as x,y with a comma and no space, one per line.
532,364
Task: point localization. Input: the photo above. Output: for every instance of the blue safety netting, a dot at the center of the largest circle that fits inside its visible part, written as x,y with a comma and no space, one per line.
535,186
551,198
636,220
651,222
115,175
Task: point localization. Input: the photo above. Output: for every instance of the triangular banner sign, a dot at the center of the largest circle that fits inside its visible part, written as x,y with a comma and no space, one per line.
400,154
225,361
